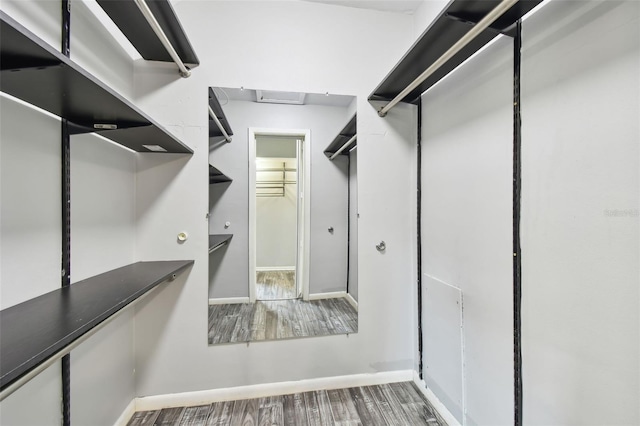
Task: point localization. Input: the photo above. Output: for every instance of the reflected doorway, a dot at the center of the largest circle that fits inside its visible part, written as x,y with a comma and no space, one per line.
277,213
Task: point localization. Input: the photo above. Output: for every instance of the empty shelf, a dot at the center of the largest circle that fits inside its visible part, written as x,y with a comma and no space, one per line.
38,329
218,240
443,33
214,131
216,176
36,73
127,16
343,137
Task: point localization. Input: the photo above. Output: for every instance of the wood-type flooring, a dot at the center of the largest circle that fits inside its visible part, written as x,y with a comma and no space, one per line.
280,319
275,285
392,404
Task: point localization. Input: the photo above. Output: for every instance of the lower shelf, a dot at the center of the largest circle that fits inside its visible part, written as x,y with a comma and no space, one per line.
41,328
216,176
218,240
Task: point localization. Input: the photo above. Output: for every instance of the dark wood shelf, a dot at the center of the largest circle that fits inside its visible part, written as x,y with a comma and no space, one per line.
34,72
218,240
127,16
443,33
216,176
214,131
36,330
345,134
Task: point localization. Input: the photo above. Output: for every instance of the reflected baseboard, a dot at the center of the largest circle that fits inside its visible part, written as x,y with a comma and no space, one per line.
353,302
228,300
335,295
275,268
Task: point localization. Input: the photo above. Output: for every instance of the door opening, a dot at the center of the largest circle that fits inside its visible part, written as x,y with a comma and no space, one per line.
277,215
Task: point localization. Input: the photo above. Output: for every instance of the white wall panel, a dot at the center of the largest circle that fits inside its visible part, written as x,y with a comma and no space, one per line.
29,237
103,237
580,234
443,343
44,392
467,226
103,178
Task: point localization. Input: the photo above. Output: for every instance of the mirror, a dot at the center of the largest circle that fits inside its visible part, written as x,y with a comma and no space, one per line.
282,215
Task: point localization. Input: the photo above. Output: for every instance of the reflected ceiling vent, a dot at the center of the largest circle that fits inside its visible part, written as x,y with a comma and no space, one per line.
275,97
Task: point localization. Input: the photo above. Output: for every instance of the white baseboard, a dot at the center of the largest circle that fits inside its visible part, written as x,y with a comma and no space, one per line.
435,402
228,300
331,295
275,268
187,399
353,302
126,414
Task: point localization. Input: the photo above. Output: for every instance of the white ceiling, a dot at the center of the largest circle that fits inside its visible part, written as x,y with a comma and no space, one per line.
397,6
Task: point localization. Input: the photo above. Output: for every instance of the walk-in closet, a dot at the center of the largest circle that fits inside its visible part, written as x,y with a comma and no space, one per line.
319,212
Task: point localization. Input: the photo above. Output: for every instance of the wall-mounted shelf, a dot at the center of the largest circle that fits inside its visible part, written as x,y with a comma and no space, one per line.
216,108
218,240
39,329
271,181
444,32
36,73
346,134
127,16
216,176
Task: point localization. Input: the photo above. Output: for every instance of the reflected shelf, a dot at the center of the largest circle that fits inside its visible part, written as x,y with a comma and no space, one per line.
341,143
216,109
217,241
216,176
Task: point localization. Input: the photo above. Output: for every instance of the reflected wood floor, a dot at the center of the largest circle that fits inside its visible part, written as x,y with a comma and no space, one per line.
280,319
275,285
390,404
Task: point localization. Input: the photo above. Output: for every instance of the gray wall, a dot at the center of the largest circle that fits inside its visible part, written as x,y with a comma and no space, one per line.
229,202
466,238
103,224
580,202
579,230
171,350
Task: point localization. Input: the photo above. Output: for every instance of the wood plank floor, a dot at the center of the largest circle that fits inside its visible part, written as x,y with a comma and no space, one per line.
276,285
393,404
281,319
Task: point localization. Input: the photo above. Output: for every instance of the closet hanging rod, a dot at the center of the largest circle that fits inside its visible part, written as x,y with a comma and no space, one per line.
219,124
489,19
155,26
343,147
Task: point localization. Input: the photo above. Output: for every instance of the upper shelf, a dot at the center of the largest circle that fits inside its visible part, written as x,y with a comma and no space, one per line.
33,71
214,104
454,22
40,328
216,176
343,137
127,16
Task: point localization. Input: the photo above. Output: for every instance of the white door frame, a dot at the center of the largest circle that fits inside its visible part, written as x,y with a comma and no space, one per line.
303,279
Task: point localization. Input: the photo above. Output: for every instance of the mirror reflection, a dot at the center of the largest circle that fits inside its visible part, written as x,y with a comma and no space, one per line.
282,215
